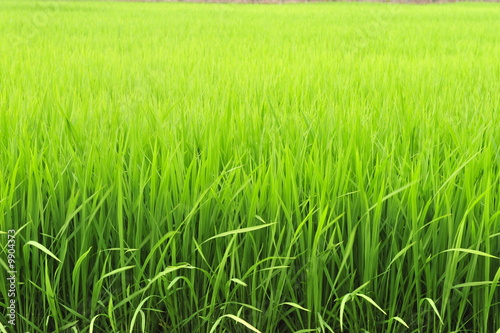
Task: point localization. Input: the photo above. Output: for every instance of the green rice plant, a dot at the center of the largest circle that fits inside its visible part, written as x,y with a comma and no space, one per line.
319,167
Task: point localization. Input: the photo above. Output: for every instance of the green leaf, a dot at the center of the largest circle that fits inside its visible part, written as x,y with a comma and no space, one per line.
241,321
295,305
91,328
136,312
238,281
239,231
479,253
433,305
78,263
473,284
372,302
342,306
398,319
42,248
116,271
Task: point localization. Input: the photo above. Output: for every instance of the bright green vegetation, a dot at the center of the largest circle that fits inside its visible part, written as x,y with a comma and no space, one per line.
296,168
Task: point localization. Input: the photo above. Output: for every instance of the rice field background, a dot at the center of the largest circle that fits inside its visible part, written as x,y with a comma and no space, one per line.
233,168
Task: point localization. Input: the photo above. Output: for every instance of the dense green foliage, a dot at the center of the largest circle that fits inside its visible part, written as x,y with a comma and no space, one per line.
297,168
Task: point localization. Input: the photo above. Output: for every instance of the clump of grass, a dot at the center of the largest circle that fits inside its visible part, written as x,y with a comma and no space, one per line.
223,168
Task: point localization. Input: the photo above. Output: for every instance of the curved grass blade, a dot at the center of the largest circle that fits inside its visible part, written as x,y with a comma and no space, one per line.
42,248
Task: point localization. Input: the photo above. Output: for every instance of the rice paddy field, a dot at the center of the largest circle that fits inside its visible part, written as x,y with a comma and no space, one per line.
176,167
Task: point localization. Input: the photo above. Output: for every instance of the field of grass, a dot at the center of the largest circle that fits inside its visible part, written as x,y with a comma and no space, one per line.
236,168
